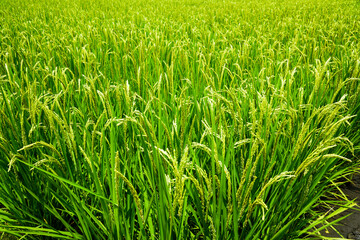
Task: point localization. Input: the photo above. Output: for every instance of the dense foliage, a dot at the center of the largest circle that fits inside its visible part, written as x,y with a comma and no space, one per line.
176,119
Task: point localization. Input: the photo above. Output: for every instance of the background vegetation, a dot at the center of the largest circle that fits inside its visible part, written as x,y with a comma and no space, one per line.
176,119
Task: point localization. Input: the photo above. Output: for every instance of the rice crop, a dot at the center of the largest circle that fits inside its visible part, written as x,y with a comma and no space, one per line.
178,119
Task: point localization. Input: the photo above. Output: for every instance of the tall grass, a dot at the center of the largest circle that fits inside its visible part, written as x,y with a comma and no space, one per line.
176,119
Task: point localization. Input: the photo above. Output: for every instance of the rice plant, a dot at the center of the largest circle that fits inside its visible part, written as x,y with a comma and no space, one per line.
177,119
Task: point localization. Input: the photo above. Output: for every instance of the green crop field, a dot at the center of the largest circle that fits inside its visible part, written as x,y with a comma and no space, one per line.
177,119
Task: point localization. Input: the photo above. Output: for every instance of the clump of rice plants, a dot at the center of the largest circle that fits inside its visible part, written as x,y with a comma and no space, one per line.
176,119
